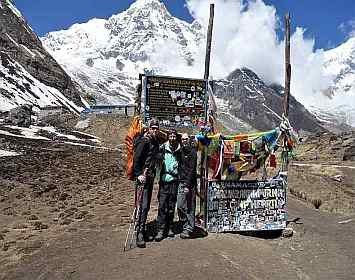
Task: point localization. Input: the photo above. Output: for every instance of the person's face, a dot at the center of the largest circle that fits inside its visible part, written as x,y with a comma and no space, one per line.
172,139
185,140
153,131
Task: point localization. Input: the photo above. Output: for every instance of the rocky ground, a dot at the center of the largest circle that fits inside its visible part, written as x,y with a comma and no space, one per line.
65,209
323,172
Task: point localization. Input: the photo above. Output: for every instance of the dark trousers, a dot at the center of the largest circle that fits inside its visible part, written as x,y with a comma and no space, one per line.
186,205
145,199
167,201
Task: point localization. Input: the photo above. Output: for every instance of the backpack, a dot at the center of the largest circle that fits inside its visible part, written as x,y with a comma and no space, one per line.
132,139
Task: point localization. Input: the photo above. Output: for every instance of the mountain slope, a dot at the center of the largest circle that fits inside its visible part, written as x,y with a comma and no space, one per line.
28,73
248,103
340,63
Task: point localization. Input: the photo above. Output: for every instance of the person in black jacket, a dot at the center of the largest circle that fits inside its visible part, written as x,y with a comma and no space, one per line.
186,200
144,164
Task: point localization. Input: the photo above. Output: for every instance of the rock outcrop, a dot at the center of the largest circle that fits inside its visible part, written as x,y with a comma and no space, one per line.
22,51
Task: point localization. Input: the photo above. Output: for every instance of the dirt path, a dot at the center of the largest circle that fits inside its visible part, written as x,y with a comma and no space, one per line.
64,212
321,248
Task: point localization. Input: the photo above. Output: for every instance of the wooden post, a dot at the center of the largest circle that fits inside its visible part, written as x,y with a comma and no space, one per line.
287,65
204,155
284,154
138,99
209,43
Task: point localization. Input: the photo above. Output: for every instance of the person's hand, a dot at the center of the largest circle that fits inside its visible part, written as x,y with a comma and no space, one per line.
186,190
141,179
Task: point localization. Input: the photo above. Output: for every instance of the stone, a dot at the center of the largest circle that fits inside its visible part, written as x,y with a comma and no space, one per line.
38,225
20,116
65,222
33,218
287,232
349,153
80,215
19,226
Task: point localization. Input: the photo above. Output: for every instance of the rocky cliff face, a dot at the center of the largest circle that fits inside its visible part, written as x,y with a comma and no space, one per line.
29,73
248,103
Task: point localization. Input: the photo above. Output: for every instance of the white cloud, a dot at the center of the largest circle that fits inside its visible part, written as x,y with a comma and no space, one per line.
348,28
245,35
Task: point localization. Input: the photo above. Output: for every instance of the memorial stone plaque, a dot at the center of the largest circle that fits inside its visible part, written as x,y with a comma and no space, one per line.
246,205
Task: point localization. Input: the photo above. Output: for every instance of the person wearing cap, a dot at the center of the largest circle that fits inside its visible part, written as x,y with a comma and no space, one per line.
186,199
144,165
168,185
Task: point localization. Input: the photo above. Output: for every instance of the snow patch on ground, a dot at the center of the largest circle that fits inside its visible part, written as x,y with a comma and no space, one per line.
4,153
33,131
82,124
24,133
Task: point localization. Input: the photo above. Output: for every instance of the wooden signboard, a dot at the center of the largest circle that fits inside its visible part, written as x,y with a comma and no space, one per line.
246,205
175,102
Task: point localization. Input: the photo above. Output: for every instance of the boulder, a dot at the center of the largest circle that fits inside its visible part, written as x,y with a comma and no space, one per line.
20,116
349,153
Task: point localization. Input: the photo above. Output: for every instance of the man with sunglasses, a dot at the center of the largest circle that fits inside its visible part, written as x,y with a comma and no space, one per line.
144,165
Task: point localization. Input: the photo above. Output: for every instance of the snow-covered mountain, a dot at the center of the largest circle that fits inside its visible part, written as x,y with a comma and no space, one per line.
28,74
340,64
106,56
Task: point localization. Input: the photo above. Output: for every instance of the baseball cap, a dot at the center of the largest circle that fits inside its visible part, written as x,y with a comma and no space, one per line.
153,123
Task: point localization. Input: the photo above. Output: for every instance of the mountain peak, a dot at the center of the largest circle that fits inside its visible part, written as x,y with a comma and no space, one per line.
139,4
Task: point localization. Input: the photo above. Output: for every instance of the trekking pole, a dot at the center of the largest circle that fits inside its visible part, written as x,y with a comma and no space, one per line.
132,221
132,230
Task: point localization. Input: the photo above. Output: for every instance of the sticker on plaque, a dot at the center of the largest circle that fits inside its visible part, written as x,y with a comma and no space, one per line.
172,94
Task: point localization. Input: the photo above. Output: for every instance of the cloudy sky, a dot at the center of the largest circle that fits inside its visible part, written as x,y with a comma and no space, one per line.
328,21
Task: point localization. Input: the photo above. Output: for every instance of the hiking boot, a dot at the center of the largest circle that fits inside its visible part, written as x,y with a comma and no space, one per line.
140,240
160,236
185,234
171,233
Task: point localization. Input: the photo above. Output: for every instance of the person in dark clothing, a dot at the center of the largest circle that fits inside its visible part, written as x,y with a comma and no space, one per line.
186,199
144,163
168,185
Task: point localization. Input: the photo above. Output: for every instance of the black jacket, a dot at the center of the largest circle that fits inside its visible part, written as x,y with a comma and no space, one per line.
187,166
146,150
